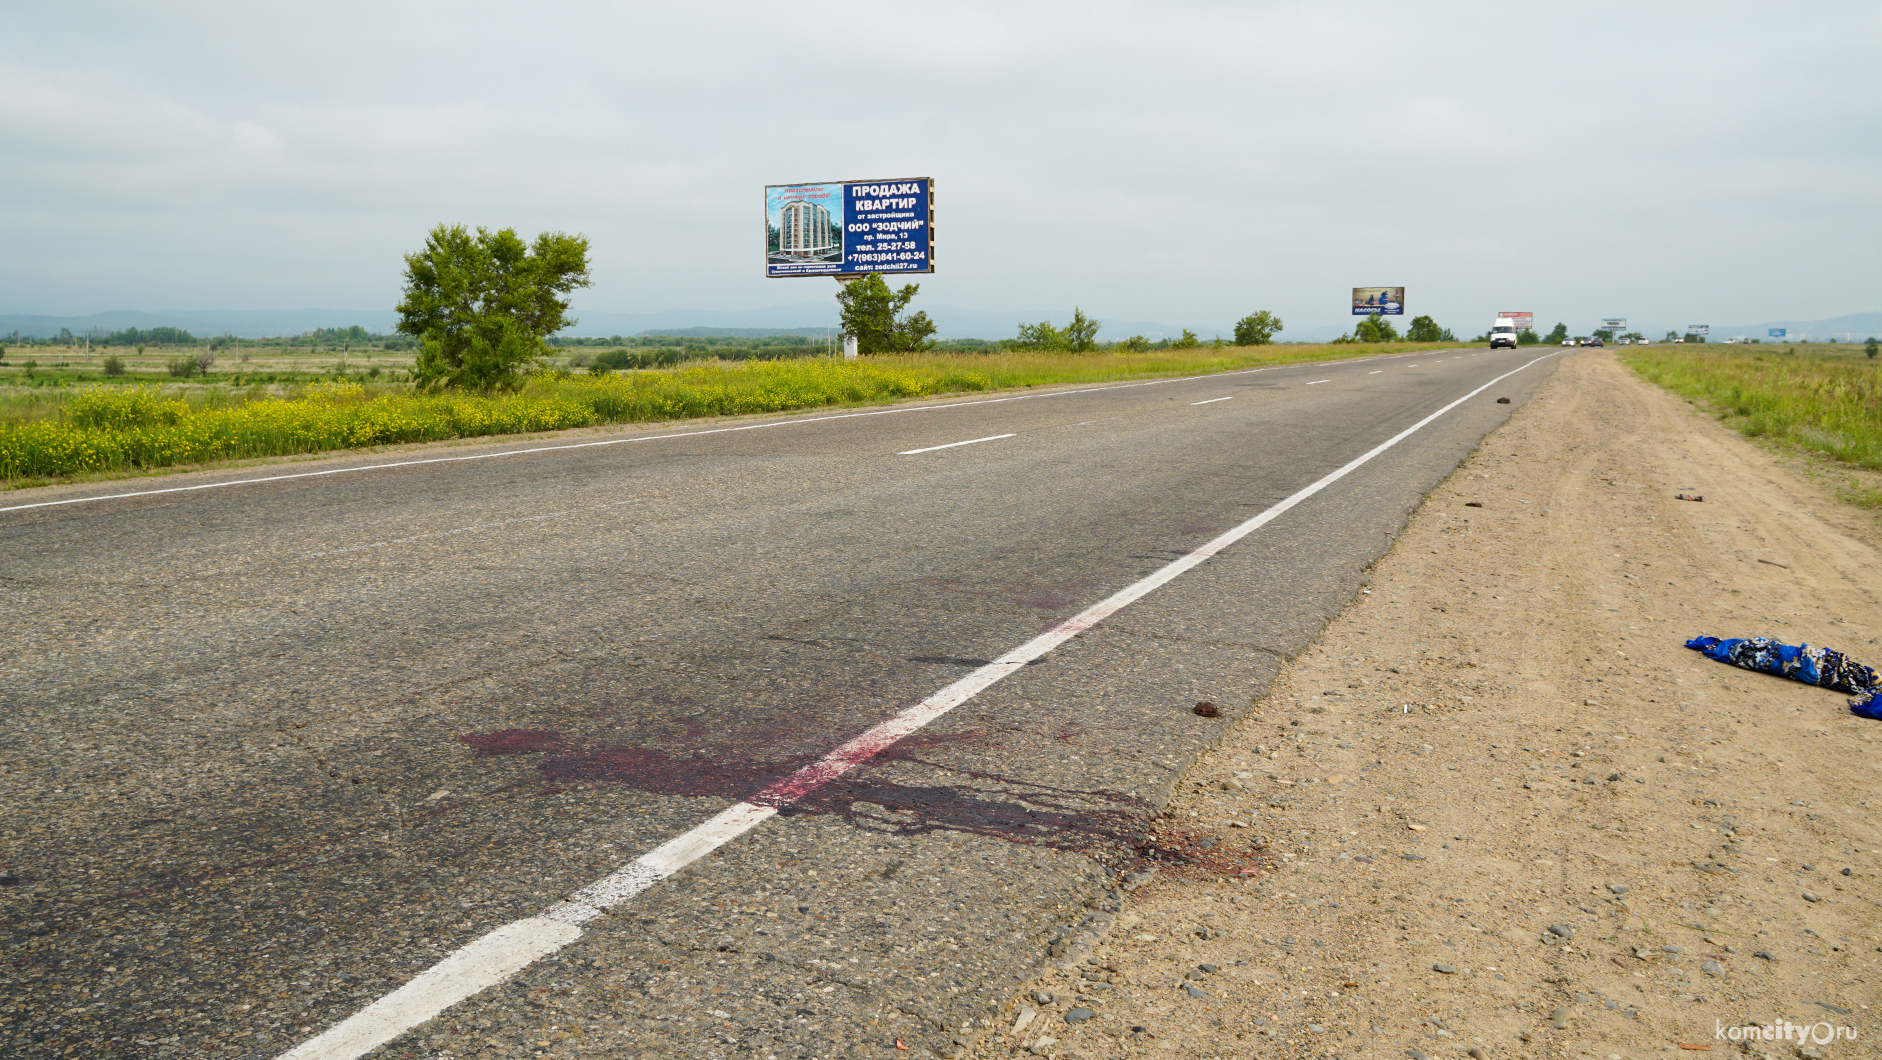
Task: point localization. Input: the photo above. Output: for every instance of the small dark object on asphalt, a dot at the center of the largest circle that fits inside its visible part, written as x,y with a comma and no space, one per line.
1206,709
1473,504
1687,497
1502,401
1444,969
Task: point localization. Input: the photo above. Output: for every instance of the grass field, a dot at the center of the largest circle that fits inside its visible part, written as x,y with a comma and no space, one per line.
1825,398
50,434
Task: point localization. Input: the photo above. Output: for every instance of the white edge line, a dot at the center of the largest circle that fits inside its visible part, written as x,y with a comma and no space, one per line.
950,445
793,421
1212,401
512,947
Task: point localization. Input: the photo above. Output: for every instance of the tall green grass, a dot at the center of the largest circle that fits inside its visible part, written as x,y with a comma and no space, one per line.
1825,401
126,429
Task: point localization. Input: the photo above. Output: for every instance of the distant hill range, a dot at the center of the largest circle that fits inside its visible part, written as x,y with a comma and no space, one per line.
803,318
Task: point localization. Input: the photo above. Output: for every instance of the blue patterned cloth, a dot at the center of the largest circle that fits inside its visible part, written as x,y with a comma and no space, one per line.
1801,662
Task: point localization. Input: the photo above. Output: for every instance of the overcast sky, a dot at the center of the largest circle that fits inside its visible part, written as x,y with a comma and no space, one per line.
1183,162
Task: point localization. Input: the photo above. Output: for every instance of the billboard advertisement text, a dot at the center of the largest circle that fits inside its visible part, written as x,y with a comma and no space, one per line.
1522,321
1614,323
1382,301
849,227
1698,329
1777,333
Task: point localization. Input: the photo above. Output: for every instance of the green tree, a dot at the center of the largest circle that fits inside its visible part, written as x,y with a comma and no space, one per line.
483,304
1187,342
1257,329
873,313
1694,336
1040,336
1557,336
1604,334
1081,335
1871,348
1527,337
114,365
1670,336
1135,344
1425,329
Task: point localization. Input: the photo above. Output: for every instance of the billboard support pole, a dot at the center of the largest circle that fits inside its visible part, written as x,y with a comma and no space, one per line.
849,347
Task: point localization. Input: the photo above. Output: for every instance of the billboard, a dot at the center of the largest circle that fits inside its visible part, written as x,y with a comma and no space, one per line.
1698,329
1616,324
849,227
1384,301
1523,321
1776,333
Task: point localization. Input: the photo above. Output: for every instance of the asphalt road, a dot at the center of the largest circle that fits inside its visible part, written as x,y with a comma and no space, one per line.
268,752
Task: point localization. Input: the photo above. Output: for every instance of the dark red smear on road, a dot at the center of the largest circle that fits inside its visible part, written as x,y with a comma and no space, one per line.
1107,826
513,741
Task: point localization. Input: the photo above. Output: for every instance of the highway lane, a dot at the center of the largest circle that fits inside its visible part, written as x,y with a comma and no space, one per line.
272,750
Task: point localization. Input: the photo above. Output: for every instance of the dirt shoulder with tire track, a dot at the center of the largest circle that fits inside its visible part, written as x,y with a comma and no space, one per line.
1503,812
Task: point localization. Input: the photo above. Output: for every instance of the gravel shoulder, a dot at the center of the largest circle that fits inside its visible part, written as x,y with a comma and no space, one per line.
1500,810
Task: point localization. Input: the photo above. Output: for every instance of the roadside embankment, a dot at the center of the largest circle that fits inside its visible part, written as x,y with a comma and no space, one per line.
1504,812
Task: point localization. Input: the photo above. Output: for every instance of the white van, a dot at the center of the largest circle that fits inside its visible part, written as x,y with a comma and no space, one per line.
1503,333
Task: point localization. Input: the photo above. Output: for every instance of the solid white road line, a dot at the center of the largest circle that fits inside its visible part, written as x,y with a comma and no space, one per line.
510,948
1320,381
1211,401
950,445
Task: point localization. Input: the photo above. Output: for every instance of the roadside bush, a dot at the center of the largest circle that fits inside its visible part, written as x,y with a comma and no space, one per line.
181,367
114,365
1257,329
1187,342
113,409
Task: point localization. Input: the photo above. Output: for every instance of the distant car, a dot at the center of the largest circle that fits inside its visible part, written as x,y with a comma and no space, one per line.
1627,342
1642,342
1568,342
1595,341
1679,340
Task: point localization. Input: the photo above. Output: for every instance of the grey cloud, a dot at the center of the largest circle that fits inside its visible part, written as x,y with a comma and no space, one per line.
1175,162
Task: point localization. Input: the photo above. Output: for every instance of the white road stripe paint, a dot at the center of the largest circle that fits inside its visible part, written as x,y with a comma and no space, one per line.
1211,401
512,947
1376,373
1320,381
795,421
950,445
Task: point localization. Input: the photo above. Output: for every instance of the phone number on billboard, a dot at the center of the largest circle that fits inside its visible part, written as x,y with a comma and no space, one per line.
904,256
905,245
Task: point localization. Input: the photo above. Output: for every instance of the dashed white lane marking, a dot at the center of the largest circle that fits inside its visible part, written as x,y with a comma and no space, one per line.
1376,373
514,946
1320,381
792,422
950,445
1211,401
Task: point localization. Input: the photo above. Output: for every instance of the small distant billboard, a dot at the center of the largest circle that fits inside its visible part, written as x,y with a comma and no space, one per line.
1523,321
1614,323
1379,301
849,227
1698,329
1776,333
